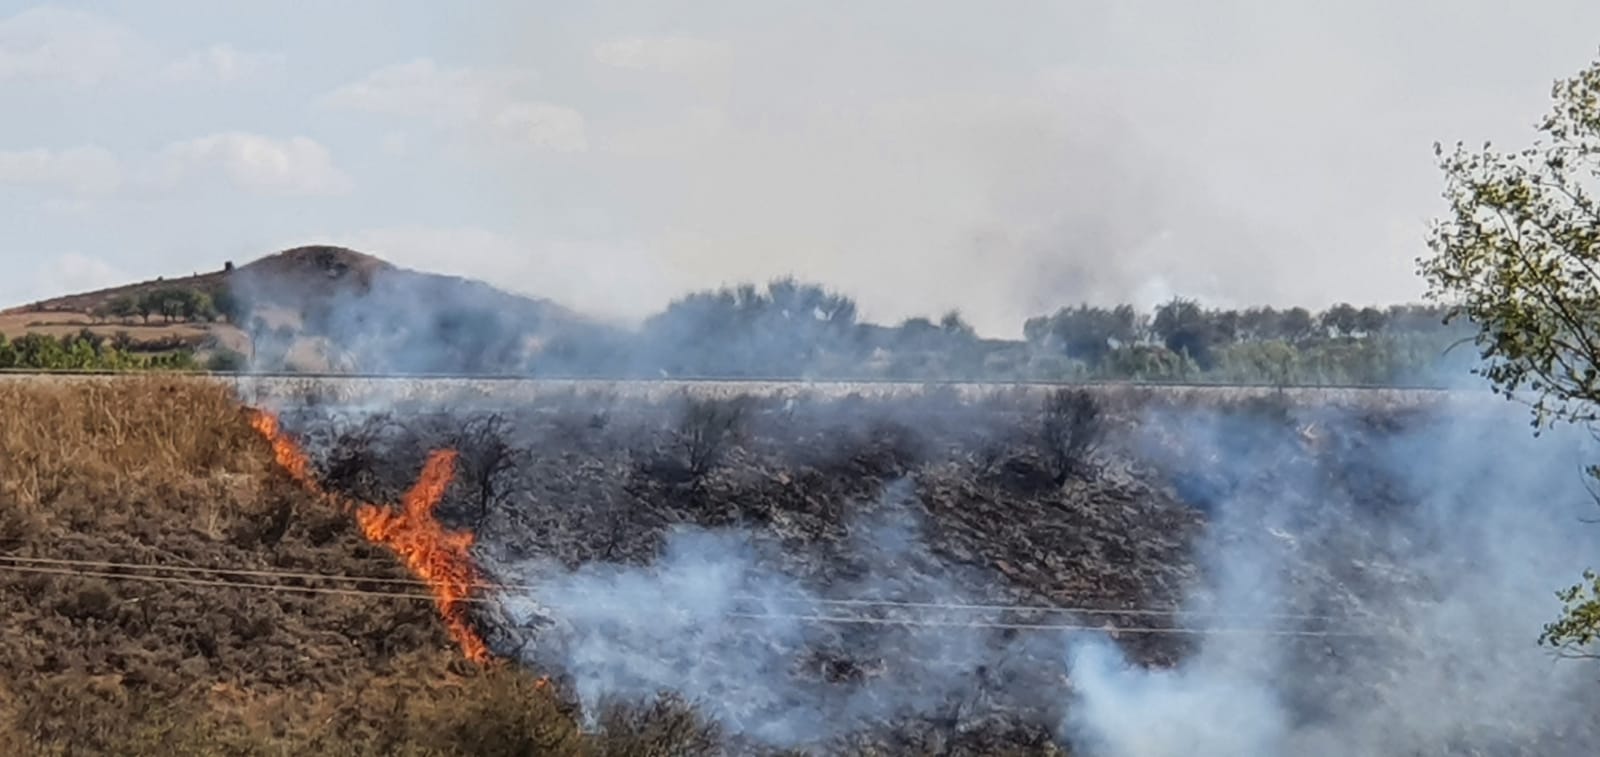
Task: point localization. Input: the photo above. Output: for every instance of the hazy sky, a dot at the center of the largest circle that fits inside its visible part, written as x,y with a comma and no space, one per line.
1003,158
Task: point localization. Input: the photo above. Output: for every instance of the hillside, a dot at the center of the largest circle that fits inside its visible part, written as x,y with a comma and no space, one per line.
908,575
311,308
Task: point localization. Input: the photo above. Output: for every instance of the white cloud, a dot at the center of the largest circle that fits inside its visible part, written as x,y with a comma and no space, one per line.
257,163
473,102
56,44
82,171
222,63
663,54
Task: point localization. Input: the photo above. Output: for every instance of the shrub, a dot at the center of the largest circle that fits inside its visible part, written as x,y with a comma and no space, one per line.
706,429
1071,430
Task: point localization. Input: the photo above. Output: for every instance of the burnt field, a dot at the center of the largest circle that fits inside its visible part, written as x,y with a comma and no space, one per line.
930,573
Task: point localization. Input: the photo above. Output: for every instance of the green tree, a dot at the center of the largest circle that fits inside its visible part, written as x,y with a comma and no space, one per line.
122,307
147,304
1519,257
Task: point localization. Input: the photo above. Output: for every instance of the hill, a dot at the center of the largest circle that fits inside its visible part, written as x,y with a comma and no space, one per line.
312,308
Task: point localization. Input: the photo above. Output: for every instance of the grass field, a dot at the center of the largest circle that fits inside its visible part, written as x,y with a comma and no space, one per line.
167,471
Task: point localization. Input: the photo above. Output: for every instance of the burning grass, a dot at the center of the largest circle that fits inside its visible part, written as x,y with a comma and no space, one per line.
440,557
170,471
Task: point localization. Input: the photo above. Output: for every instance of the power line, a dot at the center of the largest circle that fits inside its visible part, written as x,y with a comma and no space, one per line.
533,588
789,600
829,619
1050,626
219,583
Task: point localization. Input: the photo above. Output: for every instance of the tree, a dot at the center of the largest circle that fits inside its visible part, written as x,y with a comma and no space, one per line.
1342,319
1518,256
1370,320
122,307
146,305
1295,324
1084,332
1186,329
953,324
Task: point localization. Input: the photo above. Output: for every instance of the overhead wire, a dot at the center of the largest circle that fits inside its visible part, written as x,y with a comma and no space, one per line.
76,568
792,600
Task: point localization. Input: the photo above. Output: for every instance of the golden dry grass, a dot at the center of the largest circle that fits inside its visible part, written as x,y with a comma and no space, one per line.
164,469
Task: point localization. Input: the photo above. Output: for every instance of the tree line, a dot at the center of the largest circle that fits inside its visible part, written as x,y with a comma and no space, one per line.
790,328
85,351
170,304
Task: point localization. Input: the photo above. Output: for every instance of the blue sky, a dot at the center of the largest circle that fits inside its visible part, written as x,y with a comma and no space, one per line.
1001,159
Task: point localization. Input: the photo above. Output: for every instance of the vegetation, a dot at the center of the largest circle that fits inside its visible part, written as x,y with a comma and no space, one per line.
1071,430
1519,255
85,350
171,304
107,471
794,329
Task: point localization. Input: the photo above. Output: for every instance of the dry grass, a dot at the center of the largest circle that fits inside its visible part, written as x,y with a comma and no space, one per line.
59,324
167,470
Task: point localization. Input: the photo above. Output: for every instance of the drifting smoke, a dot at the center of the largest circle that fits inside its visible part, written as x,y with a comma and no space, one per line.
1415,550
715,620
1454,584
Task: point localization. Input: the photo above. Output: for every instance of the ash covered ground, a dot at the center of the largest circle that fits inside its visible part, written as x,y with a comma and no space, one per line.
930,574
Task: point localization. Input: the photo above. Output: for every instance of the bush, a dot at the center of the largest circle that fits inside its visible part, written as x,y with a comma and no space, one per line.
226,361
706,429
1071,430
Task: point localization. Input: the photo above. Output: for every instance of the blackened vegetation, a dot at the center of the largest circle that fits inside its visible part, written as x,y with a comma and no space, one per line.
1070,431
706,430
489,463
802,476
1075,500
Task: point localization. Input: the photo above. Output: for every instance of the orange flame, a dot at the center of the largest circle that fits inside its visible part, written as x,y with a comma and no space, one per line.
284,450
441,558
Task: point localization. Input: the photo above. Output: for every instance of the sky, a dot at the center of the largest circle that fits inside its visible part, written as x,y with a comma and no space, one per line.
1000,159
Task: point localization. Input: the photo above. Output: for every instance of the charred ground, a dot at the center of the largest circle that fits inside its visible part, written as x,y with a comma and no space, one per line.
1110,507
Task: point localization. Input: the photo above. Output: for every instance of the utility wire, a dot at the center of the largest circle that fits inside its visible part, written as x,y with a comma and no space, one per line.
812,618
795,600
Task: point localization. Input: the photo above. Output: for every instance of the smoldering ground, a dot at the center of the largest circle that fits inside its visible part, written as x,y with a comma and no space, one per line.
1351,579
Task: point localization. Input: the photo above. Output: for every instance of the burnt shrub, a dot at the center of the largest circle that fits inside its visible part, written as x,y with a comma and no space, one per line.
1070,431
707,428
488,462
667,726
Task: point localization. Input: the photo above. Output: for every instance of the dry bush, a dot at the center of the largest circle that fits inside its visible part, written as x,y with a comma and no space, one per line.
707,428
1071,430
665,727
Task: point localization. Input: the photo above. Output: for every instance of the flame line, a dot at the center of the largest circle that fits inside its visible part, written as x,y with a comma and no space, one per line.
440,557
